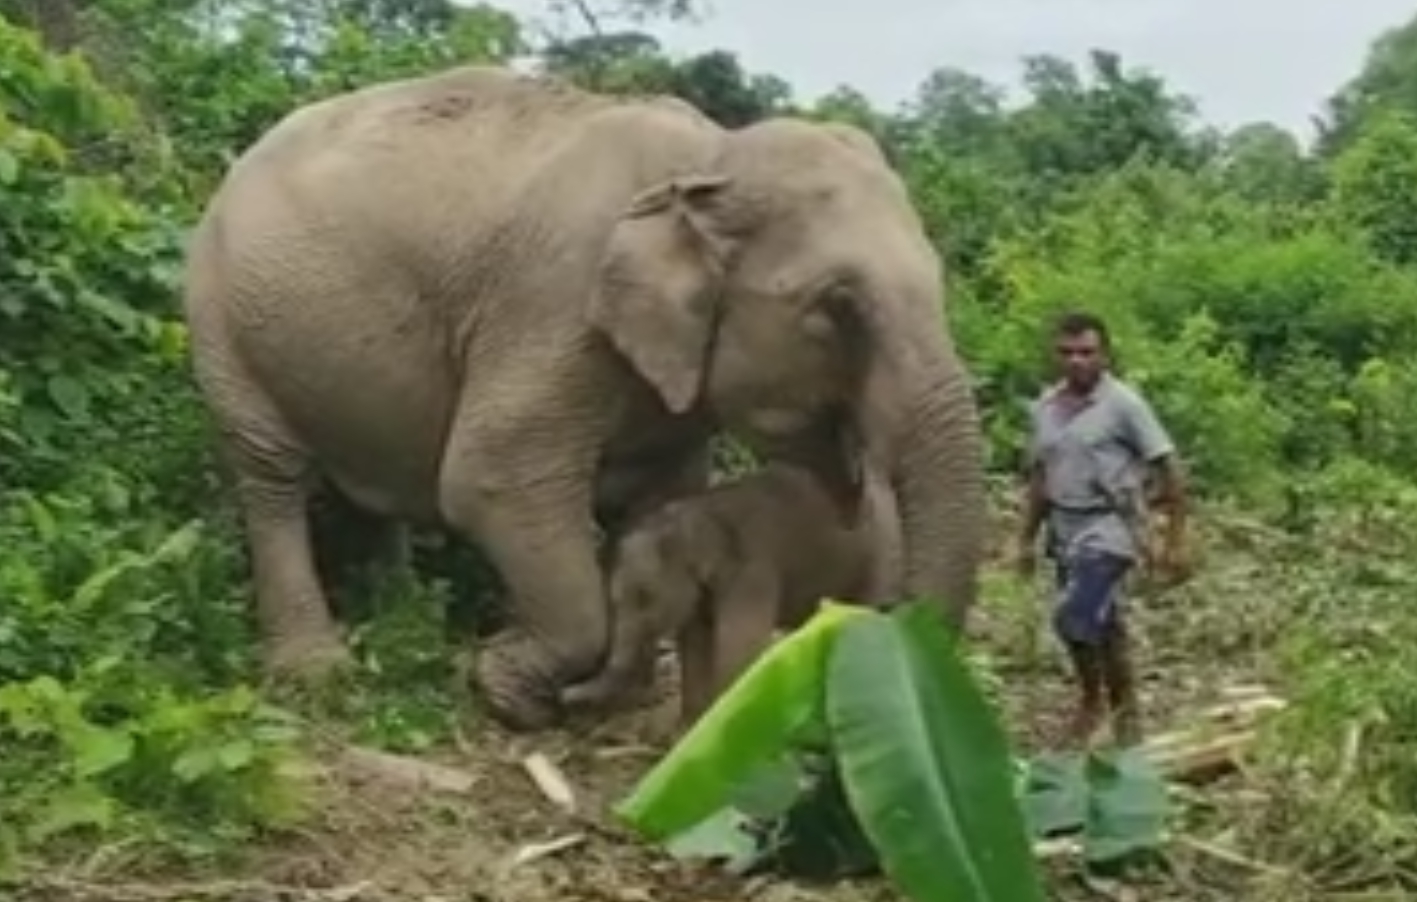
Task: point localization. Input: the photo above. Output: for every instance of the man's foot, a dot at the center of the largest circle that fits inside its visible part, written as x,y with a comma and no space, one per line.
1085,720
1087,716
1126,727
1120,678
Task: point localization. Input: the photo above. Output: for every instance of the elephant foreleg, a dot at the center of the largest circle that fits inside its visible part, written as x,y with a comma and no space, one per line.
746,614
530,512
694,647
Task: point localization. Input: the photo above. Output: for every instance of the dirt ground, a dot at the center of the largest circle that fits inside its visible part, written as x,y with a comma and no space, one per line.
381,842
498,840
466,850
502,840
505,841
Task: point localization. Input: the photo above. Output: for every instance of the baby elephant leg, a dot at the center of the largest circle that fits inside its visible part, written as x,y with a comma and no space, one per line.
694,647
744,631
725,637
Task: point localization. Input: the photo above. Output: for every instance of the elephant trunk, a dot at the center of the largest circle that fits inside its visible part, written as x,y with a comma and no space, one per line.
939,479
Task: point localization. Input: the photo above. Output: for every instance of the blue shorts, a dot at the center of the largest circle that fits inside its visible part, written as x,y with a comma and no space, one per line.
1090,588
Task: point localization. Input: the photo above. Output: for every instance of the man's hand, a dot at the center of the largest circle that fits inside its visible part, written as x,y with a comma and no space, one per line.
1035,507
1172,565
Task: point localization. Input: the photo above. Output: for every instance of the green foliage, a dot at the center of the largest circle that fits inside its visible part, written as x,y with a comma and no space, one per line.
100,755
1263,295
87,267
913,752
1117,800
1375,186
122,652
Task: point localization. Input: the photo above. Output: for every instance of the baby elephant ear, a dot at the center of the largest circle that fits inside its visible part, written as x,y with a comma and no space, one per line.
657,294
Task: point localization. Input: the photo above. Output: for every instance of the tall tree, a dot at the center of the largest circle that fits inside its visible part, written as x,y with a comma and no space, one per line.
1375,185
56,21
1387,81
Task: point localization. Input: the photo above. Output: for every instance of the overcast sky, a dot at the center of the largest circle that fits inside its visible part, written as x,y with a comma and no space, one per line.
1242,59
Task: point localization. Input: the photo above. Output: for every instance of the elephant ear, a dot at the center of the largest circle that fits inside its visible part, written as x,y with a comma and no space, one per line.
660,281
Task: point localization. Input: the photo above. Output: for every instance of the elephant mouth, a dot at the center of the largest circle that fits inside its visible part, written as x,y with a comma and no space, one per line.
776,422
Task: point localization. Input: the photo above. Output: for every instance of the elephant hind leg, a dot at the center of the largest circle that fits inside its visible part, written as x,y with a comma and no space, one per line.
274,477
299,634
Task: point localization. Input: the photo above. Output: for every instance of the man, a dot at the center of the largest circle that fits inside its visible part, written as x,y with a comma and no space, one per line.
1094,442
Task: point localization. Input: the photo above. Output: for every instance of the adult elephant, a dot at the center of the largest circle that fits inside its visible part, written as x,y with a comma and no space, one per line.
504,304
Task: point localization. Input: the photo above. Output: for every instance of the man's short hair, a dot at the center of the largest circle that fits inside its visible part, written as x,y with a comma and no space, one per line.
1076,322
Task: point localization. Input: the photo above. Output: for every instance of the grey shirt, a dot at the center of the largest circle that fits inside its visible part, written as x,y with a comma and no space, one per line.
1094,458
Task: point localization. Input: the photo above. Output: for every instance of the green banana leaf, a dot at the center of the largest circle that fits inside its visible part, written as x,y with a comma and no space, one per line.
1055,796
1128,805
772,708
820,838
726,836
926,765
1117,799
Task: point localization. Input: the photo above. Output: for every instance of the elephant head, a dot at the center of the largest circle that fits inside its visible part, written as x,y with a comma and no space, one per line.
787,287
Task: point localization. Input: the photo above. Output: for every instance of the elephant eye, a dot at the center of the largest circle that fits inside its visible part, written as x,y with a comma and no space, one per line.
829,310
837,296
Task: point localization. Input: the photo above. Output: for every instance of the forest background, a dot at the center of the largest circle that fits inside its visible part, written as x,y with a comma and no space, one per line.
1261,292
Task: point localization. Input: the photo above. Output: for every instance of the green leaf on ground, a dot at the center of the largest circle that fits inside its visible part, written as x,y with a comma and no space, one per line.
1127,806
821,837
724,835
1055,794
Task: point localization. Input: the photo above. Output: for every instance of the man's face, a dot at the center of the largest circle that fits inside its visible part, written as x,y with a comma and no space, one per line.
1081,358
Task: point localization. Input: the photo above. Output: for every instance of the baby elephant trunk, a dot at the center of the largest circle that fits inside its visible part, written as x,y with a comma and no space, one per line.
627,677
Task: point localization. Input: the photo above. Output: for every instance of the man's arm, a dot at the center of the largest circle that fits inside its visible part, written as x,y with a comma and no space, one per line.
1035,496
1153,442
1035,503
1168,483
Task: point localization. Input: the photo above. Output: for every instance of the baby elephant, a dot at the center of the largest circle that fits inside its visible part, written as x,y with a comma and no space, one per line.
722,569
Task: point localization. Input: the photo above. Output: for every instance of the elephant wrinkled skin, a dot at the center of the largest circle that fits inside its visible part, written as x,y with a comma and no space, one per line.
721,570
505,305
